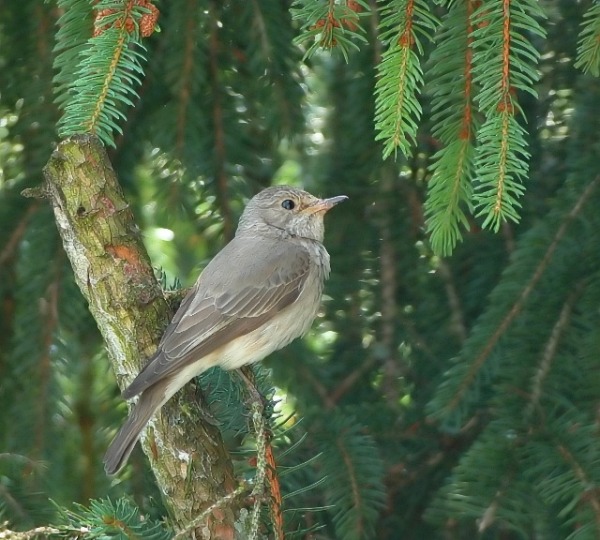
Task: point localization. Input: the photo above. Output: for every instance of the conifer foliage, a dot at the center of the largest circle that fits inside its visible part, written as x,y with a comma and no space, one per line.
449,387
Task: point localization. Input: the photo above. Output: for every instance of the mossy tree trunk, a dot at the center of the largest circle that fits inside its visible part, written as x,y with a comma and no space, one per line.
113,271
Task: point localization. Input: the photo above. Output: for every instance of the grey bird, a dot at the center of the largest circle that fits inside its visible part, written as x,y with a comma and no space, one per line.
259,293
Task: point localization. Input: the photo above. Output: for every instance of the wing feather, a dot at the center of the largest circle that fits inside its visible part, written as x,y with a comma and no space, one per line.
225,304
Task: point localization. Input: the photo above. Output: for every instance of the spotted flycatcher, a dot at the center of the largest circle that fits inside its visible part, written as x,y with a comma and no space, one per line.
259,293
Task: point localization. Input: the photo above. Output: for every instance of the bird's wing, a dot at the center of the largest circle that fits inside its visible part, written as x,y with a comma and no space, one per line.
241,289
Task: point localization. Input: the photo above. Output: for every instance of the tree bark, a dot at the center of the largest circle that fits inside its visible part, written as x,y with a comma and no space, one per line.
113,271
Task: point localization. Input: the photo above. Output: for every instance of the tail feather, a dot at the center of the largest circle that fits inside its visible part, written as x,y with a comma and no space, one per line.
120,448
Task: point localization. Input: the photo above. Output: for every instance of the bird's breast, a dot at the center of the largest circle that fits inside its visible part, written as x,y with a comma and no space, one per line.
290,323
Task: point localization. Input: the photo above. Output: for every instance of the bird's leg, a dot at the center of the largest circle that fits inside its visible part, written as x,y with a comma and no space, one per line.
247,375
197,395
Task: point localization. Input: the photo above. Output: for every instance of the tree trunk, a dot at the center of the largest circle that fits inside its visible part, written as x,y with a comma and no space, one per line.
113,271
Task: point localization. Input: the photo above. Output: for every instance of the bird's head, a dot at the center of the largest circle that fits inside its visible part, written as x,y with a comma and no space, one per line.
289,209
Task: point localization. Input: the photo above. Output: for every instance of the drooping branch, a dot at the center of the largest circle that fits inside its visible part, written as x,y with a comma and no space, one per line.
478,362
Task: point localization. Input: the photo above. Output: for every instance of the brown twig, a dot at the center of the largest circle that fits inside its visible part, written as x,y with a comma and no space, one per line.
349,381
321,390
551,347
7,534
266,465
457,320
589,496
201,518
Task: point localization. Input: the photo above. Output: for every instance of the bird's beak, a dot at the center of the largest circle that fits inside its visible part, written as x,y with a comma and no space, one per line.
323,205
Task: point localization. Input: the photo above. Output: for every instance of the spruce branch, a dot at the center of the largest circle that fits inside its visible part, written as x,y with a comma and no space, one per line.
450,189
354,477
504,62
107,519
580,472
488,485
549,353
500,163
37,532
462,377
275,499
562,463
258,420
266,466
35,328
221,503
74,29
588,51
8,501
489,516
400,76
108,71
330,25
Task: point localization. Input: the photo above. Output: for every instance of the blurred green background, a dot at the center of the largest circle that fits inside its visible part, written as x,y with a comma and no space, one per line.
445,397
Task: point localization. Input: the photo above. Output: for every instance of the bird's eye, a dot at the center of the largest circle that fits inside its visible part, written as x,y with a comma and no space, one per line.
288,204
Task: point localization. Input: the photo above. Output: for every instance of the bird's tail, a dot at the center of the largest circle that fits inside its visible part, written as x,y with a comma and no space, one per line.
118,452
